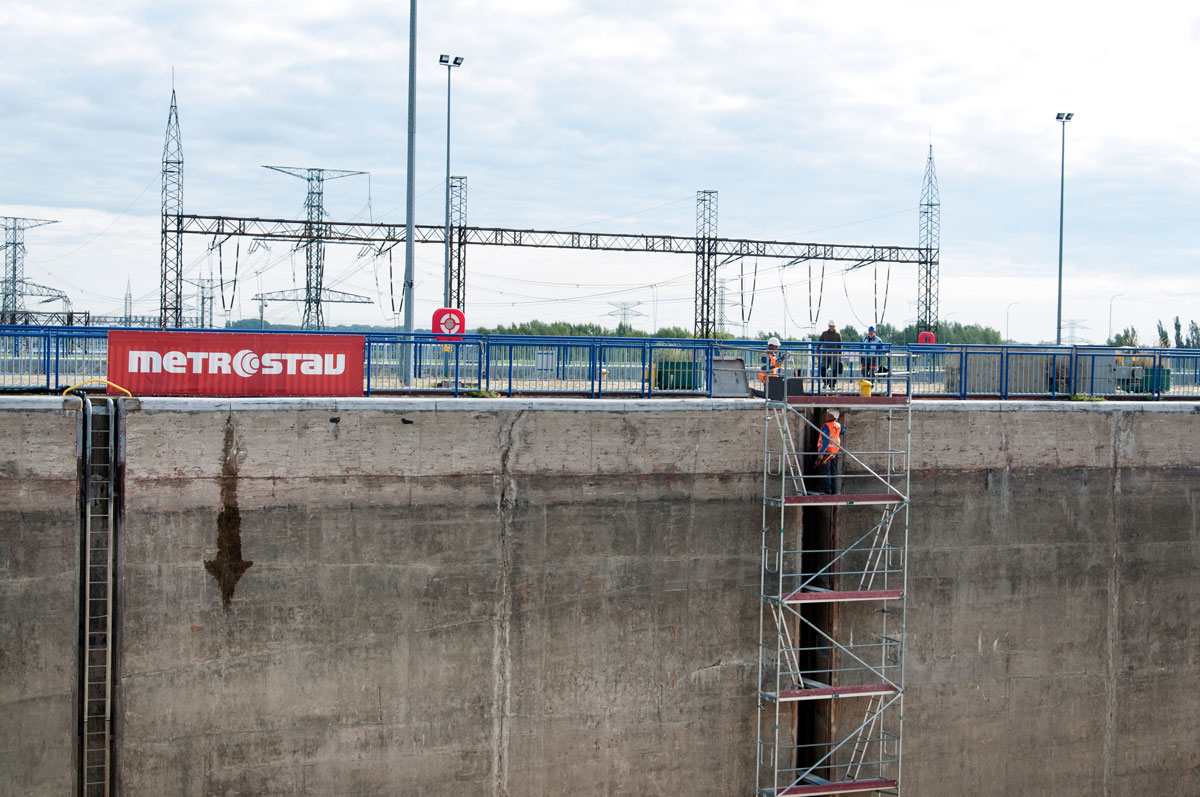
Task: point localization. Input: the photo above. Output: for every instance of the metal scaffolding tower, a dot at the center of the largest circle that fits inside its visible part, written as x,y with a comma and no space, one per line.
706,264
15,287
458,242
170,300
831,622
314,239
930,246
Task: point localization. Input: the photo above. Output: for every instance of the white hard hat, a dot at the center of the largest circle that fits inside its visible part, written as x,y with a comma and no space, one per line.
772,341
834,413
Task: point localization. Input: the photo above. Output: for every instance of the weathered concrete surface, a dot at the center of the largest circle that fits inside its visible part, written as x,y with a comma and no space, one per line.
1054,639
506,597
519,597
39,595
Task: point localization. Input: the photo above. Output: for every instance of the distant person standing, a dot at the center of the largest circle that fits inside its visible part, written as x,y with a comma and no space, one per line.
770,364
827,450
831,361
872,347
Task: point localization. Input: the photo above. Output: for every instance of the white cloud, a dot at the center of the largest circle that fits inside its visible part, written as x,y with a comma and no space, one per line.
805,116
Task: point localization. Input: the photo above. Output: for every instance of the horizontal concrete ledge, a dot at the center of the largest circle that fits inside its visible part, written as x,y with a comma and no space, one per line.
39,403
409,404
1018,405
449,404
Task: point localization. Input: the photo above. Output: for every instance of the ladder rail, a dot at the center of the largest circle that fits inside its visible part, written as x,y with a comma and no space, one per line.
99,470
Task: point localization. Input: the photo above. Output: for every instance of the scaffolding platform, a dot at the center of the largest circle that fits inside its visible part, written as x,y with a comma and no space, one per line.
838,499
846,787
832,592
817,595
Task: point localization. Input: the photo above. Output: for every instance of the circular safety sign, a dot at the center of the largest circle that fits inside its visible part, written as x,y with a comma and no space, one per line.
449,323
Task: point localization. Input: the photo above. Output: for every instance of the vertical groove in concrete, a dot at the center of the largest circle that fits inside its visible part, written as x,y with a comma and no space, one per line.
501,627
1111,631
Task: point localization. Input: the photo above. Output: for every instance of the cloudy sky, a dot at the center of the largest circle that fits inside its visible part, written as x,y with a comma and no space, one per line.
811,120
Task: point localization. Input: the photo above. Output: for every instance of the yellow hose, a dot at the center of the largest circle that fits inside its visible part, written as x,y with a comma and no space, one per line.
105,381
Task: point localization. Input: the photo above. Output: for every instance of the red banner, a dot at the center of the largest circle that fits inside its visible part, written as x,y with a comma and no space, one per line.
235,364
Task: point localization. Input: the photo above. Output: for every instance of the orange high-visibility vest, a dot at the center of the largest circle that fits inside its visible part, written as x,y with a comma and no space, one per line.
770,367
831,437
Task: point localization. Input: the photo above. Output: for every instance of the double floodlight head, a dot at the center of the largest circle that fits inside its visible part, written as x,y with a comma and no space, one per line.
444,60
1064,117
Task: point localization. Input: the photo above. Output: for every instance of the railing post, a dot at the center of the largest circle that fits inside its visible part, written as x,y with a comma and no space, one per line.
457,357
647,358
963,365
367,364
1156,377
1005,370
1073,373
510,368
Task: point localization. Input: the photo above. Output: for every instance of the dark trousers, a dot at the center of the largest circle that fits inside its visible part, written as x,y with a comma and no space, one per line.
829,471
831,366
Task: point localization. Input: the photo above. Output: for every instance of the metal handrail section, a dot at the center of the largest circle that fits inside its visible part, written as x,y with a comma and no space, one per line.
36,359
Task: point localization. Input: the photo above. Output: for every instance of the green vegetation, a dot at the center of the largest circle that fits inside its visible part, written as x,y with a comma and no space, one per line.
568,329
1129,336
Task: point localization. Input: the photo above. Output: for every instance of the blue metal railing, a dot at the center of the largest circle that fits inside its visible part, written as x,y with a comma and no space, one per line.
49,359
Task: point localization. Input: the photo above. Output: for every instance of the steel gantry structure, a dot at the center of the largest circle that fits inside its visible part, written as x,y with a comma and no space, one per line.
710,251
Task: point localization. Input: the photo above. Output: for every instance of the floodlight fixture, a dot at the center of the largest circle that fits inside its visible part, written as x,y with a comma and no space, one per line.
445,59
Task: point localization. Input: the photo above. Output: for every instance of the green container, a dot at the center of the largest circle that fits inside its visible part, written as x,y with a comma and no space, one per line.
1156,380
676,376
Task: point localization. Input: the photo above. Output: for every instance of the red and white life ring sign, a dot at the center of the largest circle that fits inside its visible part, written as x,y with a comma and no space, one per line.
449,323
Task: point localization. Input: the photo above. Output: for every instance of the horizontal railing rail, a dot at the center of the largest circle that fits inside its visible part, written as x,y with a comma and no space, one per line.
49,359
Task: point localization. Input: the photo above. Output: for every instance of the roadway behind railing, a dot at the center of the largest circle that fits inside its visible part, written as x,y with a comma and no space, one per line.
49,359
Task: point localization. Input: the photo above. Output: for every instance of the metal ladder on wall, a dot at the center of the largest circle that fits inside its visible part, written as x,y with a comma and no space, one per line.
99,448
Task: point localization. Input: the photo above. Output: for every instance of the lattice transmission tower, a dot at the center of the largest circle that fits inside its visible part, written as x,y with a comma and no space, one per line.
171,285
315,292
16,287
930,246
458,242
706,264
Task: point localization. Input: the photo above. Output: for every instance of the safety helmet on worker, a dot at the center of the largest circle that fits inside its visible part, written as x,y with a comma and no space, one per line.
773,341
834,413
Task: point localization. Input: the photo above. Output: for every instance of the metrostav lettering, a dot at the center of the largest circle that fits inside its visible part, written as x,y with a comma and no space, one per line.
244,364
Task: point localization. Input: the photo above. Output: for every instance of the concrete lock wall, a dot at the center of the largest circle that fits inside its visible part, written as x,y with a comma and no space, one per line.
39,595
526,597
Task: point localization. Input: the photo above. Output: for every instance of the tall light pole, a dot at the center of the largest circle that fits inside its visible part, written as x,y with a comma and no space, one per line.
1062,184
1110,302
1007,339
449,63
410,191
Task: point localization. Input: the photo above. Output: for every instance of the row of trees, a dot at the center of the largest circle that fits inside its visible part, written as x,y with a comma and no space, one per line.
1129,336
949,332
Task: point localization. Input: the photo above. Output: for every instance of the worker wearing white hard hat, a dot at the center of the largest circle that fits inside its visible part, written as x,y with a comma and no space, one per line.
770,364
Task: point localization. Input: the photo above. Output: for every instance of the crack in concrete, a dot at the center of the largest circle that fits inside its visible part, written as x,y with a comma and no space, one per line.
502,621
1111,624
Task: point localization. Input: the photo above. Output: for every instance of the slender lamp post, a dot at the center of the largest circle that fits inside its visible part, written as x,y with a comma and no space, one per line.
1062,183
1110,301
1007,339
410,191
449,63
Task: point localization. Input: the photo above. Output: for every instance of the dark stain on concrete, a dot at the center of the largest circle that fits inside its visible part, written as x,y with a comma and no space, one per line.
229,566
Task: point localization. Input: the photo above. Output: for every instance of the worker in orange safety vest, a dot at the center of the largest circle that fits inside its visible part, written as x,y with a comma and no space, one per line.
771,361
827,450
771,364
